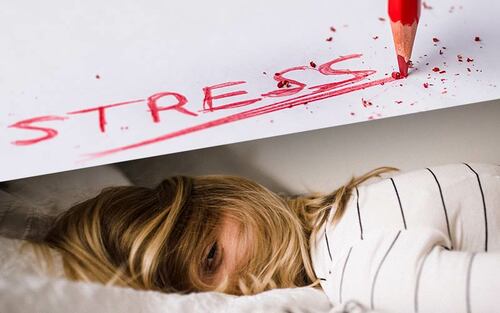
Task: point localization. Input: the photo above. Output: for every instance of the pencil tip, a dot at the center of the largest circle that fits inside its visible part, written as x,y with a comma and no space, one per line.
403,66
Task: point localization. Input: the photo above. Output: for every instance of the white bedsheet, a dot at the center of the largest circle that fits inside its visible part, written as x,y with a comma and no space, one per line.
25,287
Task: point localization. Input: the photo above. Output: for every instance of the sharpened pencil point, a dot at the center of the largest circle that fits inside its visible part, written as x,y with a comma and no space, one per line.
403,66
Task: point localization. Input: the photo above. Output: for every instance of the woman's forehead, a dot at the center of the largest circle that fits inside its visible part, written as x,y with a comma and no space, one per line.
230,224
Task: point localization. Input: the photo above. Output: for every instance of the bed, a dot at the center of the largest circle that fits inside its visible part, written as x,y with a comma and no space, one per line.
26,209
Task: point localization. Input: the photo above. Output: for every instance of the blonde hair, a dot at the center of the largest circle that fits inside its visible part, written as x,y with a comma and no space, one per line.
157,239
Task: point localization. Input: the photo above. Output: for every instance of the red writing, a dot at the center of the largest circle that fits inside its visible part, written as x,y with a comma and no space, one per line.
291,92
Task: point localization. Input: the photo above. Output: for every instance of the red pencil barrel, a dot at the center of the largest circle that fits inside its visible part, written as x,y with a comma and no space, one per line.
405,11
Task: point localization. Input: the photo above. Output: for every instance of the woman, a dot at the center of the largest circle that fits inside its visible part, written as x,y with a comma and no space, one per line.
391,245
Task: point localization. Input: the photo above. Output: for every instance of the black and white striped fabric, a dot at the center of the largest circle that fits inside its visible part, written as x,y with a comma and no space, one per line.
422,241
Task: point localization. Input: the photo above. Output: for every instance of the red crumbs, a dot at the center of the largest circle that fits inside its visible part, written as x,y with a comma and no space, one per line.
333,29
396,75
442,72
477,38
426,85
436,69
283,83
435,39
366,103
470,60
329,39
312,64
398,101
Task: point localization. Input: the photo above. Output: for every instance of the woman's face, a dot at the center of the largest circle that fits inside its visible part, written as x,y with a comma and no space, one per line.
226,254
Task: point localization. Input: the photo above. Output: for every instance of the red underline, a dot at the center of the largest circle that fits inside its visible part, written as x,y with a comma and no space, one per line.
289,103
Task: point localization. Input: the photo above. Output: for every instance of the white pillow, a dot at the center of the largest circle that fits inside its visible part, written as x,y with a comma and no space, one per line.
27,206
54,193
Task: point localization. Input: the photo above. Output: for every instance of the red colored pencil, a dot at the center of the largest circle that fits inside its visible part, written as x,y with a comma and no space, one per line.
404,15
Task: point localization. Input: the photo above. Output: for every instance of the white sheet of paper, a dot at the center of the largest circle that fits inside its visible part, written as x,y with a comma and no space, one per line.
62,57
